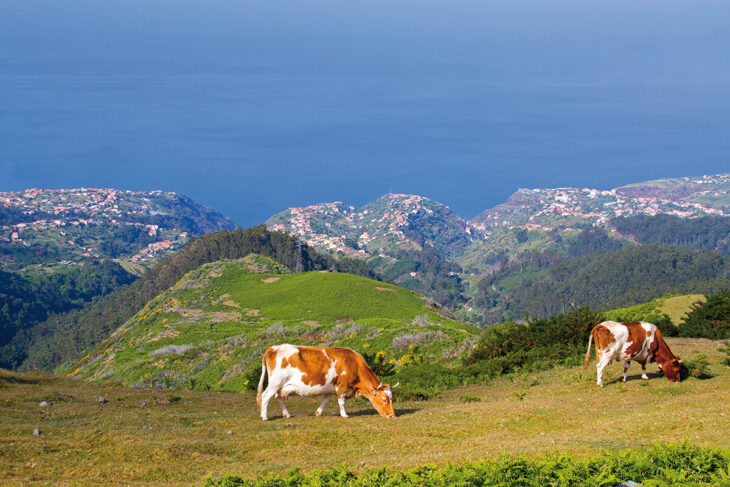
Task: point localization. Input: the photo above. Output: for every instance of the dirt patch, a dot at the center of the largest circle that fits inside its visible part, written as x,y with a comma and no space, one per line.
269,280
310,323
227,300
252,312
223,316
379,288
165,334
346,319
215,273
190,313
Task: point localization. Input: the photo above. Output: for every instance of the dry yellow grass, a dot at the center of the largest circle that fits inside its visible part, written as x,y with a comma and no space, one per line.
678,306
180,443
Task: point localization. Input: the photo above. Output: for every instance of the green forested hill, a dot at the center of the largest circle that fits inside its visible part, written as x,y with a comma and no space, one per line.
209,330
67,336
30,298
542,284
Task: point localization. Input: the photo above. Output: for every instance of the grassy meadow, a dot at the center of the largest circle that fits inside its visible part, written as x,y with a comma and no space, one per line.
180,437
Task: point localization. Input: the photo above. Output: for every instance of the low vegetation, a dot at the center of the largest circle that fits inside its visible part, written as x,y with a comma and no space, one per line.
677,464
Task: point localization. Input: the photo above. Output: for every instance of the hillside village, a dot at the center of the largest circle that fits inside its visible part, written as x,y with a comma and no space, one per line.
547,209
379,226
371,230
75,220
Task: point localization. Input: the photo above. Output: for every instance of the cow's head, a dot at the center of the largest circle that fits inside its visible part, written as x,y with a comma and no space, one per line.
672,369
382,399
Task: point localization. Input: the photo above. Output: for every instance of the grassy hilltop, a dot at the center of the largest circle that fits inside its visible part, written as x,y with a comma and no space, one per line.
208,332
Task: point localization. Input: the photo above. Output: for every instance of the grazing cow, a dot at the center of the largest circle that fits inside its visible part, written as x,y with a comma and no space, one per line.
316,371
642,342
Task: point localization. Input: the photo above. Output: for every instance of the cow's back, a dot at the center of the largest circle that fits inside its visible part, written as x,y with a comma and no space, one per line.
625,341
300,369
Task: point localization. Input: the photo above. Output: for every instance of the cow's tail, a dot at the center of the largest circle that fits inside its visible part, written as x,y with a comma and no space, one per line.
260,389
588,352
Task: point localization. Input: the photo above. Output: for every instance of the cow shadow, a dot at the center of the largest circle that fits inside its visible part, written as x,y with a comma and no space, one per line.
636,377
373,412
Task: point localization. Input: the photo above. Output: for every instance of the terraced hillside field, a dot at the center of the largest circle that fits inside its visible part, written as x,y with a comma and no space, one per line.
157,437
208,332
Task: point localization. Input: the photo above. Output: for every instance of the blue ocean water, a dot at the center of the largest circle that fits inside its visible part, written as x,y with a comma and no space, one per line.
254,106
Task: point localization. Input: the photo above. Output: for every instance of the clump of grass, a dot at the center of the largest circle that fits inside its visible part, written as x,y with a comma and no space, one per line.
467,398
173,398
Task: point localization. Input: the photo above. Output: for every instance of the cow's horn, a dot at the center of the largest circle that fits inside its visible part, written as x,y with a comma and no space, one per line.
396,385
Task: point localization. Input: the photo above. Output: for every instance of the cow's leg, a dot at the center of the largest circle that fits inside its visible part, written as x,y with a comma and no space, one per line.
282,403
602,363
341,401
626,368
320,409
268,393
643,371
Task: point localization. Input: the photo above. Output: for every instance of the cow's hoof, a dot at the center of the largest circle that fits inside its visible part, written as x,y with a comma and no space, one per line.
644,378
318,414
264,419
287,415
623,379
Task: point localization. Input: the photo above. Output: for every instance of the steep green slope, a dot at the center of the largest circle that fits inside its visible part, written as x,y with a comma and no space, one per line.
208,332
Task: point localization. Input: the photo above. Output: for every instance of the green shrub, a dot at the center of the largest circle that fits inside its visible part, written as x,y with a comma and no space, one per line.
379,363
467,398
659,465
555,339
710,319
698,367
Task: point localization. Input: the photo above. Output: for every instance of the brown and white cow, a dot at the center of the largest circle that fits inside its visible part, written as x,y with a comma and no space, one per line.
317,371
637,341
